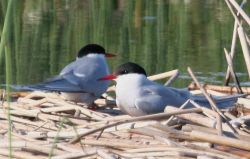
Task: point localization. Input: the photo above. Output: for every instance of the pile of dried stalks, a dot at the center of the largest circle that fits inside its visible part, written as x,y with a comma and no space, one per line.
44,125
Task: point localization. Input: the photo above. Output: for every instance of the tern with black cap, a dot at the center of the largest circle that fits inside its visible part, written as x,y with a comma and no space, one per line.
136,95
78,81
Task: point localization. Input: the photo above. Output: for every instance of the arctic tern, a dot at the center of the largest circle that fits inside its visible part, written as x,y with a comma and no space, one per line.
78,81
136,95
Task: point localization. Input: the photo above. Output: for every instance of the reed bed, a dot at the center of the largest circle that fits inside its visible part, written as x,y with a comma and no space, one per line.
45,126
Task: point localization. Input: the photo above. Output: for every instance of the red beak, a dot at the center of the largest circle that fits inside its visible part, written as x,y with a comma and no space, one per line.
109,55
108,77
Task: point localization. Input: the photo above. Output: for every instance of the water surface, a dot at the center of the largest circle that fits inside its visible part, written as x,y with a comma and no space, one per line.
160,35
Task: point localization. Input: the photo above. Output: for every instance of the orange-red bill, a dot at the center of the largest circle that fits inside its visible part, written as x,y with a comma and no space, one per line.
108,77
109,55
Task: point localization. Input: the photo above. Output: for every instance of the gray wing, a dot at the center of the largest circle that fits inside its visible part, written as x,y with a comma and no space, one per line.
68,68
154,98
86,73
78,76
58,83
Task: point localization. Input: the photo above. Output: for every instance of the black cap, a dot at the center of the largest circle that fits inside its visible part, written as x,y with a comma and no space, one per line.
91,48
129,67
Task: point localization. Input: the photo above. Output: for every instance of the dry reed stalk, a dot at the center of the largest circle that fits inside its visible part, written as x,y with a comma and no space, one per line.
220,140
28,138
18,94
6,157
56,109
194,117
238,152
4,125
225,126
245,102
72,148
127,126
20,155
14,144
105,102
46,117
105,154
244,46
168,141
233,44
206,157
134,119
230,66
215,93
181,107
191,151
210,100
240,120
229,115
164,154
241,11
116,145
208,112
190,127
23,121
89,113
22,113
232,11
224,89
116,118
32,103
14,106
38,102
154,78
162,75
151,149
40,94
173,133
147,131
219,124
158,131
247,38
53,134
31,147
211,152
172,78
111,88
81,154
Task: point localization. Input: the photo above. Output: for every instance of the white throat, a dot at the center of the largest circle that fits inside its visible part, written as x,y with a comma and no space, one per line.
130,80
99,56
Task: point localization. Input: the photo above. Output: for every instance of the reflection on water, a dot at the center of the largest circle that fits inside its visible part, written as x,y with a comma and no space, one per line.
160,35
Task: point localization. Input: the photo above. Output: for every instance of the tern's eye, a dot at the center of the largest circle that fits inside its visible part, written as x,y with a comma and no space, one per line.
124,72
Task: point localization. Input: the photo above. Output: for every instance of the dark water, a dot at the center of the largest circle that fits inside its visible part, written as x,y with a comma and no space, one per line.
160,35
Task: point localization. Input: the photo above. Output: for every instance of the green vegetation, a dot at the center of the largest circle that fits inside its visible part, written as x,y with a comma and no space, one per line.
160,35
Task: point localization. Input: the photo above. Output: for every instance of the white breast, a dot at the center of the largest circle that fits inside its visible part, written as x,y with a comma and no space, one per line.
85,98
127,90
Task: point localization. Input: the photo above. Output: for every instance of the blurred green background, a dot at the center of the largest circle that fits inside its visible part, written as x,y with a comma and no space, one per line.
160,35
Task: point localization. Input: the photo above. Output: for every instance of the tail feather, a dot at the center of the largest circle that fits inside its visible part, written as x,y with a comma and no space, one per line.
51,88
221,101
21,87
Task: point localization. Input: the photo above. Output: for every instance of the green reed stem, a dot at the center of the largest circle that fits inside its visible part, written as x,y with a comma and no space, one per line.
56,138
6,26
8,73
3,45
